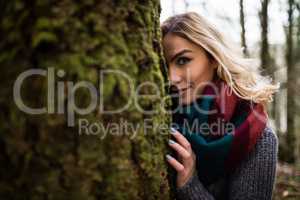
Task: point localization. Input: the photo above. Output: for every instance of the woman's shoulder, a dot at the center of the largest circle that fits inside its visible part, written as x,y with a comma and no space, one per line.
268,140
263,154
255,177
265,150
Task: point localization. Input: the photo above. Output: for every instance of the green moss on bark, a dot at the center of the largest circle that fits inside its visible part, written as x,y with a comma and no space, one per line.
42,158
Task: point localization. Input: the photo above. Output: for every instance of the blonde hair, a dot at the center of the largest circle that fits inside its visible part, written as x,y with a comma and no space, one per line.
238,72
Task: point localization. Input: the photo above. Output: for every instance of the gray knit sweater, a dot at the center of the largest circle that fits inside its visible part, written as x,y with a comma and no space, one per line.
253,179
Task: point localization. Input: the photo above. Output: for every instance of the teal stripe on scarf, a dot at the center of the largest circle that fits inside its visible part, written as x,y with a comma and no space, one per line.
210,154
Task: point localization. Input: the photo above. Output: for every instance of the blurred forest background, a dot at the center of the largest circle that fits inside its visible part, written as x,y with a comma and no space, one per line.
270,31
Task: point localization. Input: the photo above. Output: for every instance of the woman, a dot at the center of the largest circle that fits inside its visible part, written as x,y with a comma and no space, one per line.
231,152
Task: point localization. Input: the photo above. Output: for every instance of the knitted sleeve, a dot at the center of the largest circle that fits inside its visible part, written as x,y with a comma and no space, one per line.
253,179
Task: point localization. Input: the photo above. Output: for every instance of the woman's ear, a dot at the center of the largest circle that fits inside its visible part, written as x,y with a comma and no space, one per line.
214,63
212,60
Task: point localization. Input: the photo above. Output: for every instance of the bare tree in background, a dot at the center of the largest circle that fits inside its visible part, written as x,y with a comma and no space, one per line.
243,33
297,63
265,51
186,5
291,87
267,63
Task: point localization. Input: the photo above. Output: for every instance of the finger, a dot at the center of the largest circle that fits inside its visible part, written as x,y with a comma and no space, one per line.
179,149
174,163
181,139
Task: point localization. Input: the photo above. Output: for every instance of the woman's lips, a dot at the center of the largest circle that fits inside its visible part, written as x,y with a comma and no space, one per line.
183,90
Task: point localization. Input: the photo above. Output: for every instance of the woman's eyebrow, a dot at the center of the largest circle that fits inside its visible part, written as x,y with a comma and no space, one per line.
180,53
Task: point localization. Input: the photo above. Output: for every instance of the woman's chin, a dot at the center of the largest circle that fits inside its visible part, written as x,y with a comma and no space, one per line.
185,100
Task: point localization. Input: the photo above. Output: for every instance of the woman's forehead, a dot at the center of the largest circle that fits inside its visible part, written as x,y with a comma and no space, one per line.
172,41
173,44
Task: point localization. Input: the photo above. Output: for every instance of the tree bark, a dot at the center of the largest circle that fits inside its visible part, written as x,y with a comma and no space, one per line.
267,62
42,156
243,32
297,68
264,51
291,88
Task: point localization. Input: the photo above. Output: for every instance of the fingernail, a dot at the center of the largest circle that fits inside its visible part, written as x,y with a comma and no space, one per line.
168,156
171,141
173,130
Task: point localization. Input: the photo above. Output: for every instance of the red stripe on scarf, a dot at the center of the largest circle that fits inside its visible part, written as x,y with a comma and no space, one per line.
228,104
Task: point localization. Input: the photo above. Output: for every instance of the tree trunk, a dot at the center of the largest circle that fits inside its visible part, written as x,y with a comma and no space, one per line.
267,62
58,155
297,68
264,51
291,88
243,32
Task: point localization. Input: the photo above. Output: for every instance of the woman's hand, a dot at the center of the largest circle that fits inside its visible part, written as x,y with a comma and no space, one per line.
186,163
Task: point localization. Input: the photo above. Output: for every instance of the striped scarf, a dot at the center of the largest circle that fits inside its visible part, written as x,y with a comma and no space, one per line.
221,127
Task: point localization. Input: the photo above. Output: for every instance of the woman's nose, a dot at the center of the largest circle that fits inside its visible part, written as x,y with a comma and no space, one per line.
174,77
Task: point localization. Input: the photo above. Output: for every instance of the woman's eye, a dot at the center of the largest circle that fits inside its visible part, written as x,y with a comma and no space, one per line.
182,60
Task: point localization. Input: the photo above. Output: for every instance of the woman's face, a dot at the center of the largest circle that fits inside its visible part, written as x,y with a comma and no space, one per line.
189,66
